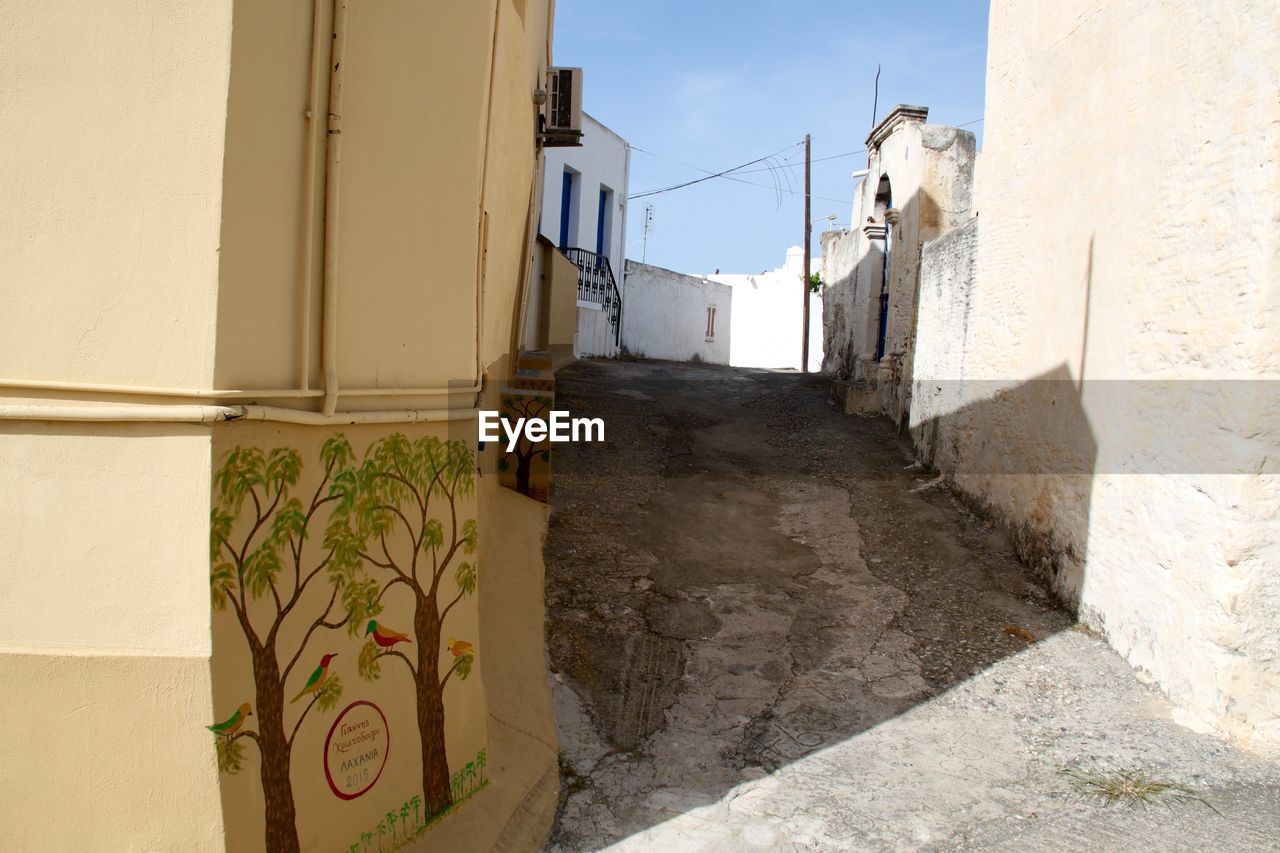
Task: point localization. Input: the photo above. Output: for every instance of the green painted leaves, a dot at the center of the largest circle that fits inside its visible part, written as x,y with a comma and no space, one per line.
282,469
336,453
465,577
241,471
230,755
328,695
246,469
290,522
360,600
391,496
260,569
367,664
222,580
220,523
469,536
264,479
432,534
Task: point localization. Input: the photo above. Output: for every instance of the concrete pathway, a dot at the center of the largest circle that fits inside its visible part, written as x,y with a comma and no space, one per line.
768,630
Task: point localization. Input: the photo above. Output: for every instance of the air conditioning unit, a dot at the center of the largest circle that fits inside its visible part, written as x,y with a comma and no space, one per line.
562,121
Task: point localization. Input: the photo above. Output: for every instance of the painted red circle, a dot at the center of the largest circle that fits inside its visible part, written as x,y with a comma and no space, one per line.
328,738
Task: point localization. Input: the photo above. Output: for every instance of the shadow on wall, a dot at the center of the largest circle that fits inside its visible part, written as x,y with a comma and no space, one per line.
870,304
994,436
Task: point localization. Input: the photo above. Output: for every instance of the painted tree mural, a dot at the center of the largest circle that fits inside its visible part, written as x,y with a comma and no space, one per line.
398,524
257,545
528,406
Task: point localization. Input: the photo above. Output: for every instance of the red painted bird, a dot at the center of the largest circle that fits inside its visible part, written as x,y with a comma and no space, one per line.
384,636
317,679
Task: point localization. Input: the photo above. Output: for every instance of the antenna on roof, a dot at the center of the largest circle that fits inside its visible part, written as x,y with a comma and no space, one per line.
648,226
875,97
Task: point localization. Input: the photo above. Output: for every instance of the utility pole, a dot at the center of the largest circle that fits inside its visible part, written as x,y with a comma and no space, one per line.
808,232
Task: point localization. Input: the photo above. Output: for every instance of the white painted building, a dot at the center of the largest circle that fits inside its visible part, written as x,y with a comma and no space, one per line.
584,213
767,324
675,316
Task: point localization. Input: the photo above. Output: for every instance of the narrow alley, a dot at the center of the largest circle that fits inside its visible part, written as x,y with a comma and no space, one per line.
769,629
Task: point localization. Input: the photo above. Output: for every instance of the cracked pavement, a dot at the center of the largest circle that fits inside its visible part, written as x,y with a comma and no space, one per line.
769,630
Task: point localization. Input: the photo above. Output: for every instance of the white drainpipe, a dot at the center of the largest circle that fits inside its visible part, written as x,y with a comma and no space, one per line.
142,413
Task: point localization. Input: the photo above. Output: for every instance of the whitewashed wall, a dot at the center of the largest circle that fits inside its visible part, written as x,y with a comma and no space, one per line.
596,336
666,316
768,312
1116,403
945,302
604,160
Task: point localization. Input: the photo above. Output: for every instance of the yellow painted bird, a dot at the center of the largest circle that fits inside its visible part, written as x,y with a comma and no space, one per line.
231,724
317,679
461,648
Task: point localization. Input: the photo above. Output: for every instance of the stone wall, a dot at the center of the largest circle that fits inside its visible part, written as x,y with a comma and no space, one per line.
926,172
1105,384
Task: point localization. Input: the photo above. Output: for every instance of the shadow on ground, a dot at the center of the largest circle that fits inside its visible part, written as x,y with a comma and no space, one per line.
768,629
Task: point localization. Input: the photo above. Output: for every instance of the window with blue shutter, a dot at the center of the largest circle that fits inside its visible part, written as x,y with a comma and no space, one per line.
566,201
604,207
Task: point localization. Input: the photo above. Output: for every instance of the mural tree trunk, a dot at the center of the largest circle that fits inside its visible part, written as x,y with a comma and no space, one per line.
277,788
435,763
524,465
251,570
389,527
515,408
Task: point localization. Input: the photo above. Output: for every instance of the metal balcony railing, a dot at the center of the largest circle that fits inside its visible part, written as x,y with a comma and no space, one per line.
596,284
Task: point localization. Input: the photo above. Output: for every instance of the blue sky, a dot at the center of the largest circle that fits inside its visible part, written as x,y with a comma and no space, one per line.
715,83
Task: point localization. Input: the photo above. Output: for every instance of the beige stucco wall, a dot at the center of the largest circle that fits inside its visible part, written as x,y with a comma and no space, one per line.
523,49
562,302
154,216
112,197
1128,208
109,743
104,636
515,811
412,146
551,312
110,200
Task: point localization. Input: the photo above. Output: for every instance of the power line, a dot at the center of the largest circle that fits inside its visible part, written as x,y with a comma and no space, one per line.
793,192
819,159
725,174
709,174
742,170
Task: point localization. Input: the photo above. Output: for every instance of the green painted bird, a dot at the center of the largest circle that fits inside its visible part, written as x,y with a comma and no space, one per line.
317,679
384,636
231,724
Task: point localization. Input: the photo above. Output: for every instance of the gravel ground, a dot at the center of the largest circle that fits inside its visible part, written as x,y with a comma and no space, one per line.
769,630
